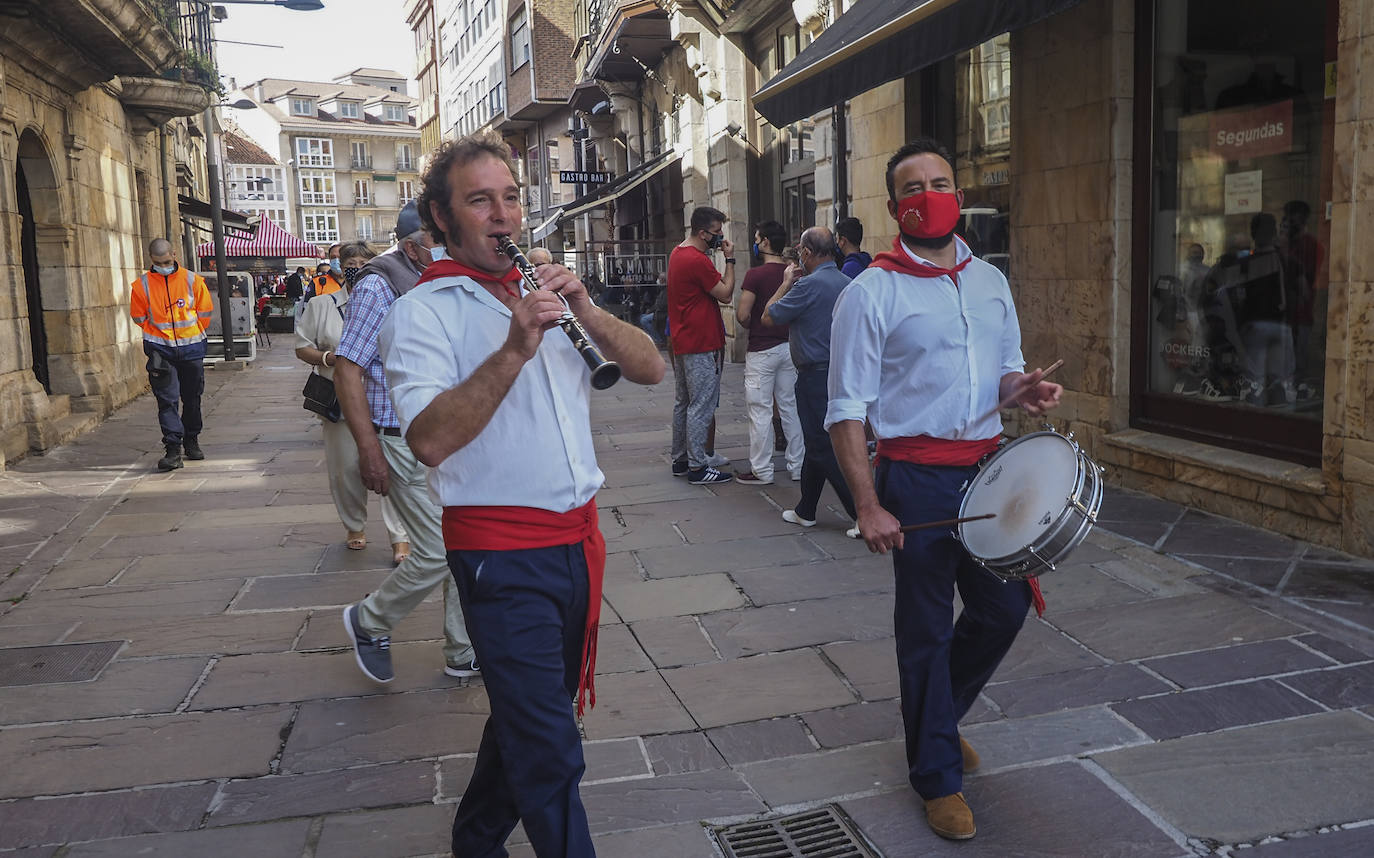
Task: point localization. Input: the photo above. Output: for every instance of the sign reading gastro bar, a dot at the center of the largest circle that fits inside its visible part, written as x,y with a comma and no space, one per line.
581,177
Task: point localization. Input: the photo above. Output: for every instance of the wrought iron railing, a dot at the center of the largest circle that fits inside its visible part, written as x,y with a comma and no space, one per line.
189,21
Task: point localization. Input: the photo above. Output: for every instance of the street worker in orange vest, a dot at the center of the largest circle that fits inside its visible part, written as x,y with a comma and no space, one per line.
330,281
172,306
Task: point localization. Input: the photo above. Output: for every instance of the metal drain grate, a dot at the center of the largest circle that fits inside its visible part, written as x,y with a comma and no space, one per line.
822,833
38,665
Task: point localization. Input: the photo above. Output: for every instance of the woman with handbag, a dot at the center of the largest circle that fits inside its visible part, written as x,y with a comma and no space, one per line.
317,334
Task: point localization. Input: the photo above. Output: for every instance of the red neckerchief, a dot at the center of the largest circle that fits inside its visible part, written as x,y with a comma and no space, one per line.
899,261
508,528
453,268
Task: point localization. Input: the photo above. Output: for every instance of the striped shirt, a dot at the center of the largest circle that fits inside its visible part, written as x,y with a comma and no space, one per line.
368,305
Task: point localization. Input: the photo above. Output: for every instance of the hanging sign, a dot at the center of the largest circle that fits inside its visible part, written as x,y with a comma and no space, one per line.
1252,132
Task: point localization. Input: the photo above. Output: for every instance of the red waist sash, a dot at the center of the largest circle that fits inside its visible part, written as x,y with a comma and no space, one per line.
510,528
925,450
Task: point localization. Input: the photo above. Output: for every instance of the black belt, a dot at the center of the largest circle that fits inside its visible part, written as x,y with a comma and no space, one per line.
387,430
808,367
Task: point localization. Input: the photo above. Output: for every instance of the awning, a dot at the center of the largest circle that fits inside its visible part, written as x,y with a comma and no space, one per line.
271,240
194,208
878,41
540,232
621,185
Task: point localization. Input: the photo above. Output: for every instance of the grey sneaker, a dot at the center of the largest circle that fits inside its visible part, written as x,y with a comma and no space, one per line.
464,670
373,654
716,460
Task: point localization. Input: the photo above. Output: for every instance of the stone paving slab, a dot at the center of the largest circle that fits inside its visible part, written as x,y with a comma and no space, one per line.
283,796
869,666
672,798
1338,688
729,556
1166,626
399,833
287,677
686,840
215,635
635,704
1245,661
820,775
1004,743
673,597
315,590
674,641
750,689
858,723
100,816
1356,841
130,603
818,580
775,628
1250,782
761,740
1203,711
1072,689
274,840
122,688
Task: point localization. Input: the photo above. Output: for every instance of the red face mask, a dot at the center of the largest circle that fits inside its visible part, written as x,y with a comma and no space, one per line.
928,214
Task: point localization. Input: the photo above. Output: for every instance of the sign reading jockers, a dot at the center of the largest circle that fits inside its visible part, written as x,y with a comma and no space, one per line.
583,177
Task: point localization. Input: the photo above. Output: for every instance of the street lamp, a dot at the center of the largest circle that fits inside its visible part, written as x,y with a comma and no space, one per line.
217,219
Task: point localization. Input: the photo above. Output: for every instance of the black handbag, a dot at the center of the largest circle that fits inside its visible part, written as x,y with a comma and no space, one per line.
320,398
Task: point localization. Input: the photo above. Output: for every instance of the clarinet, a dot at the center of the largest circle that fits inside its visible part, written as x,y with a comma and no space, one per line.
604,372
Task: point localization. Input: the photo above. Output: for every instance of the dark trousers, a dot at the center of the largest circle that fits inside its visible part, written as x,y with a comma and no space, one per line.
942,665
820,463
526,611
183,381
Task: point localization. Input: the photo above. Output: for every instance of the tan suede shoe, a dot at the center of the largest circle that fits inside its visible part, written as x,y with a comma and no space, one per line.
950,817
971,760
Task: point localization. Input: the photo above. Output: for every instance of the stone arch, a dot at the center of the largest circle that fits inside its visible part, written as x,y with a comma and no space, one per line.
44,238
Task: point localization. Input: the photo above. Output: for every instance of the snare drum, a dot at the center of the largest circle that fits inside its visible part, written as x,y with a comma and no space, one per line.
1045,493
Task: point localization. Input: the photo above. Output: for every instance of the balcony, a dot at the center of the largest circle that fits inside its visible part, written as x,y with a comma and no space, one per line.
188,86
363,162
77,45
405,165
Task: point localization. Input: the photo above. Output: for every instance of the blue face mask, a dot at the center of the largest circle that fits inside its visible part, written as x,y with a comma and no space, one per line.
756,249
334,264
165,270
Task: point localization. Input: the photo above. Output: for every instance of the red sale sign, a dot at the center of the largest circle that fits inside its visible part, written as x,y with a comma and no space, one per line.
1252,132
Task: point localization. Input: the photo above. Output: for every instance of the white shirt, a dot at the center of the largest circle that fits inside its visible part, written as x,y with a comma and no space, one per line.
924,356
537,449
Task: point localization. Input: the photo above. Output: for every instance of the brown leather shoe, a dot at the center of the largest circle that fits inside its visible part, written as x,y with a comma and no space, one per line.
950,817
971,760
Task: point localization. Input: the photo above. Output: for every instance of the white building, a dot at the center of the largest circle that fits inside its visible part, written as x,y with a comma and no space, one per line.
472,75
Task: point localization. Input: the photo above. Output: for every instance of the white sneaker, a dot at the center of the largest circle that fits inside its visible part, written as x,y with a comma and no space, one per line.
796,476
717,460
853,532
790,516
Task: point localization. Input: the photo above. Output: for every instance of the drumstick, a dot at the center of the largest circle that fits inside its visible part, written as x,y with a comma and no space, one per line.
910,527
1010,399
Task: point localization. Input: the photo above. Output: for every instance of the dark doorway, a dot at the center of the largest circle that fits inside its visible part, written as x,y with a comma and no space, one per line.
28,243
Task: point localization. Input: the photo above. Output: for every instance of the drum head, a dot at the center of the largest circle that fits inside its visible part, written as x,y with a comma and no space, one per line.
1027,487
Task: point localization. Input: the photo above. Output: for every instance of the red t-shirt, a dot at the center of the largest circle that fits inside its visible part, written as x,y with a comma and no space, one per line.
694,321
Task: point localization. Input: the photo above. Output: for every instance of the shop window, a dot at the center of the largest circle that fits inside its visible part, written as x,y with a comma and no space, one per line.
982,148
1234,295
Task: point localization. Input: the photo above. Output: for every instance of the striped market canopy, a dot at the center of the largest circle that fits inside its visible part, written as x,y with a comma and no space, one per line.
270,240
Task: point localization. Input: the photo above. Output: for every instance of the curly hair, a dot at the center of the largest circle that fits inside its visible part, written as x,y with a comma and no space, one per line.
434,184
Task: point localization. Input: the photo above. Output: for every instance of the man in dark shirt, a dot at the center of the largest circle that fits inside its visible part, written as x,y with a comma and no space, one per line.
769,374
295,284
849,234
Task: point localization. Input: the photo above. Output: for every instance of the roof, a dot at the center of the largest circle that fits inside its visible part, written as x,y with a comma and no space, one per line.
240,149
367,72
275,102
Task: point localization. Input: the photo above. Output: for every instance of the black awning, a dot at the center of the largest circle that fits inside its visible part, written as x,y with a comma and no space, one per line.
619,185
194,208
878,41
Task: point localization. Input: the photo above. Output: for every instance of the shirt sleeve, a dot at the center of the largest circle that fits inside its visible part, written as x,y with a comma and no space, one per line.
857,334
791,305
707,274
366,312
1012,359
419,364
308,327
138,302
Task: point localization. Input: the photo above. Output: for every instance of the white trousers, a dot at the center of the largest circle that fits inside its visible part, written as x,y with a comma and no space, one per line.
770,376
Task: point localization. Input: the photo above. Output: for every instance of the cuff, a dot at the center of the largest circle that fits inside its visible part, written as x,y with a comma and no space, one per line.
841,410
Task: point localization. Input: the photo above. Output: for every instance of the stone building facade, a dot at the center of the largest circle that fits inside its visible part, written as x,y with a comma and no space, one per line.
95,147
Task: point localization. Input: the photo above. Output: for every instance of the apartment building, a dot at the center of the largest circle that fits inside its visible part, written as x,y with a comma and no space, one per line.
350,150
254,181
421,17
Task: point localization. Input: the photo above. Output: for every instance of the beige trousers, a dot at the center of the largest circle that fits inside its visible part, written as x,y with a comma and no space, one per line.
346,484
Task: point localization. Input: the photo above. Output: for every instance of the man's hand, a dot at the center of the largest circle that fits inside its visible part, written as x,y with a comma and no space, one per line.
556,278
880,530
531,316
727,247
1031,393
793,272
373,468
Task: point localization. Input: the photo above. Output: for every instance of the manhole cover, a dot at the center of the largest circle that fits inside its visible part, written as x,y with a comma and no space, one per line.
822,833
37,665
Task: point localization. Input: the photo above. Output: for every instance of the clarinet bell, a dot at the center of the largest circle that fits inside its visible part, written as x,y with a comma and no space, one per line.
605,375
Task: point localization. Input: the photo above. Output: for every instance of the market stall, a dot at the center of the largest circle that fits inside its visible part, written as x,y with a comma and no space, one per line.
269,252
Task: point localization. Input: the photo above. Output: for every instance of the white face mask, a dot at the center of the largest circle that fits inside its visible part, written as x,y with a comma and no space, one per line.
438,252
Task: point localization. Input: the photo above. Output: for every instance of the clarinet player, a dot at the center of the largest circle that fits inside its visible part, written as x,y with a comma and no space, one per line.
500,412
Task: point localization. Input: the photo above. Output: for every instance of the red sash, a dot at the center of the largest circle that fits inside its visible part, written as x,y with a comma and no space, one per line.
899,261
508,528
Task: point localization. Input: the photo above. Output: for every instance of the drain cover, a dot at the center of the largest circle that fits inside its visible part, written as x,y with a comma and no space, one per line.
37,665
822,833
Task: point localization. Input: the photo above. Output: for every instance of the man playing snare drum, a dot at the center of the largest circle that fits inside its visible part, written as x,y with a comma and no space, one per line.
924,345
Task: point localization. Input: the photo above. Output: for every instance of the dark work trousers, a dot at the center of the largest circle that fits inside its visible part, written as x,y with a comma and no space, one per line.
820,463
942,665
183,381
526,612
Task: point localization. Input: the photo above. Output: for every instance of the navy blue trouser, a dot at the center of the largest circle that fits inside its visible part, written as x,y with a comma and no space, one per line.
184,381
526,612
820,463
942,665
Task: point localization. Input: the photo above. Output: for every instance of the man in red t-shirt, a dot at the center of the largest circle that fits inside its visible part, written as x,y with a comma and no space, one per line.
696,289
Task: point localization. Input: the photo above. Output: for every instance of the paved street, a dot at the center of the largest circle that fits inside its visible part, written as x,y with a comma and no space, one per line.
1194,685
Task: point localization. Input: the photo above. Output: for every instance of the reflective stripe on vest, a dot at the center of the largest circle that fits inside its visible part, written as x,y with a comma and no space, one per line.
172,323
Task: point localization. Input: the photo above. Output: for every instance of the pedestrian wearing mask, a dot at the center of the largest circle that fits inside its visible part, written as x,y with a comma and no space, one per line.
317,336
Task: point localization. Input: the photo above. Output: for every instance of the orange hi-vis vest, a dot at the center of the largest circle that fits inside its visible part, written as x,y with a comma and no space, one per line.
172,309
325,284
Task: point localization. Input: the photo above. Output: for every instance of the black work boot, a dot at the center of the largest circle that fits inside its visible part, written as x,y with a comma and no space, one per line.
193,451
172,460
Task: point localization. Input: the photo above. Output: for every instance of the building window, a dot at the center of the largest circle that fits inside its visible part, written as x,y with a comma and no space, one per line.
406,189
555,194
350,110
321,226
358,155
362,193
519,39
302,107
314,152
364,227
394,112
1233,294
277,216
404,160
316,188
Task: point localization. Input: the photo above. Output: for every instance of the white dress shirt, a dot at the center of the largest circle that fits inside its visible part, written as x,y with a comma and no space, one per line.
924,355
537,449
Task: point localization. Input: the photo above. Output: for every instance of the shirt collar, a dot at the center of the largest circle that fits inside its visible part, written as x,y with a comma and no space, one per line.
961,253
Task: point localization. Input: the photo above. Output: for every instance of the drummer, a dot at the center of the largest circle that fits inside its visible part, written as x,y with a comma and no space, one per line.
924,345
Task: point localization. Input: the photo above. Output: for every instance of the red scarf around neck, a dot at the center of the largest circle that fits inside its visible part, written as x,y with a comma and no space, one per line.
899,261
452,268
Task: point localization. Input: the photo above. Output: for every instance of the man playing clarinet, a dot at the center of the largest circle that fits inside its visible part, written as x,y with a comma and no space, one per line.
499,409
925,345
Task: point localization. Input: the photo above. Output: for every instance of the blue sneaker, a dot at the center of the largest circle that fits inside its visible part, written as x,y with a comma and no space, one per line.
373,654
464,670
707,476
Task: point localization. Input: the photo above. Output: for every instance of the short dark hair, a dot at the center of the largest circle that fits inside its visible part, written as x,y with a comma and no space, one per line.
774,233
1296,208
434,184
819,240
851,229
300,269
355,250
919,146
704,216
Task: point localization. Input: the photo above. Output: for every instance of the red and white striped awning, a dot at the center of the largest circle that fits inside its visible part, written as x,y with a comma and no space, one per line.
270,240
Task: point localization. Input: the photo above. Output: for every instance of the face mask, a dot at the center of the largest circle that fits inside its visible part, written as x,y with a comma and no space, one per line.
928,214
715,240
438,252
334,265
165,270
351,275
757,252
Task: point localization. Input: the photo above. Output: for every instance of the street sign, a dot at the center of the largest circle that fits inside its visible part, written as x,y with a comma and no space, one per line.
639,270
583,177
